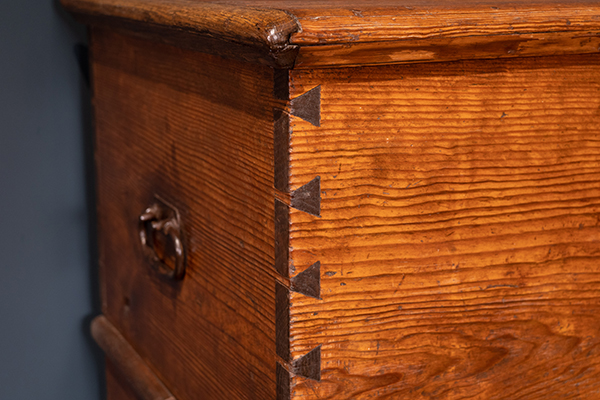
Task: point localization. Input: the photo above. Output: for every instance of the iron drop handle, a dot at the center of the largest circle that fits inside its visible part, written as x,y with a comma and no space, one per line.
160,217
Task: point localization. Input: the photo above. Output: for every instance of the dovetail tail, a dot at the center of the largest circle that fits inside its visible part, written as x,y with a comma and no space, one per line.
308,282
307,198
282,238
282,321
281,150
283,383
281,84
308,106
309,365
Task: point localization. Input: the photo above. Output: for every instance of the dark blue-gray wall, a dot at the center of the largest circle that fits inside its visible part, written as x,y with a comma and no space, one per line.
47,283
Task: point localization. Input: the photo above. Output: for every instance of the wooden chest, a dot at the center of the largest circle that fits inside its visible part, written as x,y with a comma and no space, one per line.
348,200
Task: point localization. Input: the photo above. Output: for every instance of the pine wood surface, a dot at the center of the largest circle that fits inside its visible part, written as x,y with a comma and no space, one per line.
458,238
305,34
447,49
358,21
197,131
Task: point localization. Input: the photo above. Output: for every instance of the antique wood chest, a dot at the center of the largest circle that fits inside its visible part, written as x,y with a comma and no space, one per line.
347,200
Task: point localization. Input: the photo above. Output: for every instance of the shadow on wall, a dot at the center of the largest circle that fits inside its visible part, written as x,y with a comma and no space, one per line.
81,54
49,285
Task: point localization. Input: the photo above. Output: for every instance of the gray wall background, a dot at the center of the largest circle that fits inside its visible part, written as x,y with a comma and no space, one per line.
48,287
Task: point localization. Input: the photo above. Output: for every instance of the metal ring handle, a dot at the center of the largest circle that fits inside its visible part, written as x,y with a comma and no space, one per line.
171,229
166,220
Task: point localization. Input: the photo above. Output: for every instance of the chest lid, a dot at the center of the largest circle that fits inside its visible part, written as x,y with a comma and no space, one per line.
309,33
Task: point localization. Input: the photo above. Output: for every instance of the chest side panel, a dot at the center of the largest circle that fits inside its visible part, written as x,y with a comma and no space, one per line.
196,131
458,232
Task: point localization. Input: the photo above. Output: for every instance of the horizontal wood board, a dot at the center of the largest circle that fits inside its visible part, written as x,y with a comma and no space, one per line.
459,231
309,34
448,49
387,20
197,131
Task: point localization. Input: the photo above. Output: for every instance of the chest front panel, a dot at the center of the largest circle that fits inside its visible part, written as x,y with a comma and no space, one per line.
458,233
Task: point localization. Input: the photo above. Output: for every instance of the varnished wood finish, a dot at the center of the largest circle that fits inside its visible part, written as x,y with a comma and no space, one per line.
459,230
309,34
383,21
368,33
196,130
448,49
127,362
378,200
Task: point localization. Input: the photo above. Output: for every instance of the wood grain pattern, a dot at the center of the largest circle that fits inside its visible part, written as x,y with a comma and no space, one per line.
459,238
382,21
316,33
448,49
382,32
196,130
401,231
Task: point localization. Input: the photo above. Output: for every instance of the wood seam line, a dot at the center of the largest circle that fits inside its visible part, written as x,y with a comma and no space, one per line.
306,198
285,198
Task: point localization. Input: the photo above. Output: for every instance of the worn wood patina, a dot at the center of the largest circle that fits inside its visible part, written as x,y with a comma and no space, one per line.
372,200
